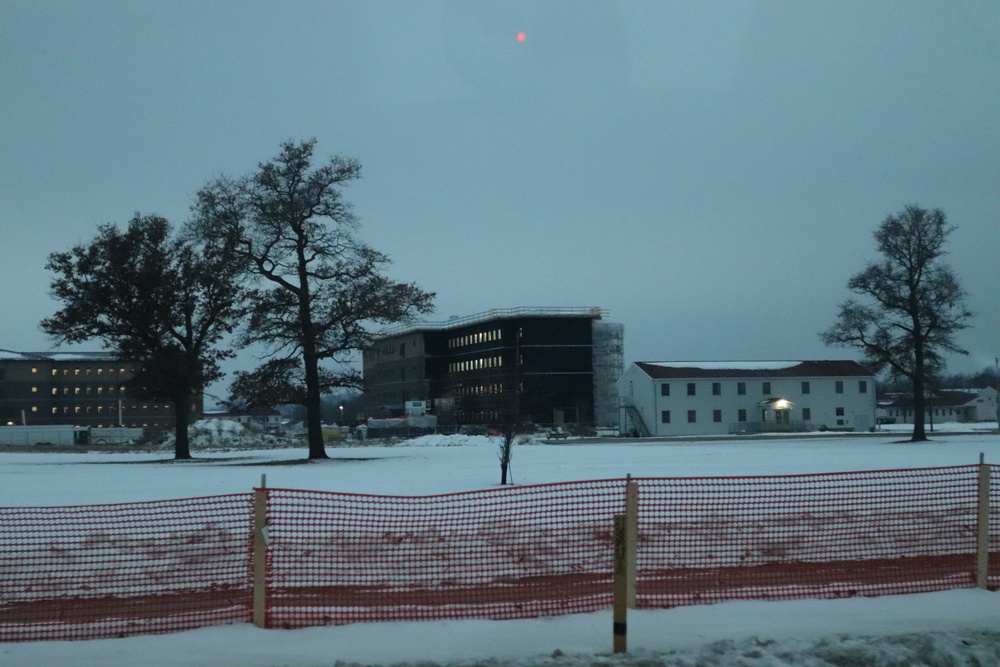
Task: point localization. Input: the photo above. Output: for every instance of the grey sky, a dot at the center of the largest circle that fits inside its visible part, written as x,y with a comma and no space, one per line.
709,172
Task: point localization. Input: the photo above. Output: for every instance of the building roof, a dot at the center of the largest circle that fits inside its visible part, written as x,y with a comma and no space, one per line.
11,355
942,399
491,315
752,369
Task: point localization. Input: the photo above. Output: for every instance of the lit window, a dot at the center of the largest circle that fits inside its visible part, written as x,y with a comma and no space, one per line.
34,408
54,391
34,369
34,390
55,411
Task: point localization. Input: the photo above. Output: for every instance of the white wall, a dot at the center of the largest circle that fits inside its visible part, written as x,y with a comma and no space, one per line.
645,393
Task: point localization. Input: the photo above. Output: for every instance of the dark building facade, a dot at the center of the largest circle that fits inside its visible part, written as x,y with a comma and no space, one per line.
551,366
78,389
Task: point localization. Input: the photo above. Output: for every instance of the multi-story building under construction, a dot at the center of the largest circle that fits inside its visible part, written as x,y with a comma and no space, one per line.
544,365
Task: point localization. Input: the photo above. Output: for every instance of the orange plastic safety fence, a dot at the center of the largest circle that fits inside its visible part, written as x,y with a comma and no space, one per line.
815,536
518,552
507,553
102,571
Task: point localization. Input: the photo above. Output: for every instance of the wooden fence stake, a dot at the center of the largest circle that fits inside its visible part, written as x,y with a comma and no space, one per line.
620,588
260,554
631,539
983,526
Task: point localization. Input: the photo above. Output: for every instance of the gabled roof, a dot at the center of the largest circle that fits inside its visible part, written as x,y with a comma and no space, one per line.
11,355
752,369
944,399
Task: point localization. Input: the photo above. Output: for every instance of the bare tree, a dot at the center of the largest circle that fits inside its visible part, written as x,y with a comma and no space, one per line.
161,300
318,290
914,304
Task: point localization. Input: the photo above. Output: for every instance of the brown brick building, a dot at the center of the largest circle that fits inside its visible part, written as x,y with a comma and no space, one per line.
76,388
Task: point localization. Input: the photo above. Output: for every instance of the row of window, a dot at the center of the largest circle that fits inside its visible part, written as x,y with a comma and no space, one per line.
938,412
481,390
765,389
98,409
475,364
77,391
476,338
741,415
83,371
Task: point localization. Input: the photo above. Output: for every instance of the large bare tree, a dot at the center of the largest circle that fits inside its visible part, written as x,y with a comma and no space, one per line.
913,304
155,297
319,293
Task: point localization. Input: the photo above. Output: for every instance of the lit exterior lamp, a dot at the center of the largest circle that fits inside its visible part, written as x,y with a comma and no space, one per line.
341,415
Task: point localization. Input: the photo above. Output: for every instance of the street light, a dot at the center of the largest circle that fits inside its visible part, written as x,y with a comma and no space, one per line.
341,415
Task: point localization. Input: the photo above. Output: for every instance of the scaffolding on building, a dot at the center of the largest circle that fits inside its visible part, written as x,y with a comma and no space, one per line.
609,363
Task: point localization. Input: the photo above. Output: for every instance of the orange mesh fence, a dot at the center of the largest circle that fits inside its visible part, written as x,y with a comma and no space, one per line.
518,552
113,570
818,536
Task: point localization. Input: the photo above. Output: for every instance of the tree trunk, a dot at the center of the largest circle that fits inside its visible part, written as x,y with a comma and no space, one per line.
314,423
506,453
182,417
919,434
919,372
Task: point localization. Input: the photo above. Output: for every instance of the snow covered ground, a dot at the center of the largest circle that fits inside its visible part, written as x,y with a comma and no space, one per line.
949,628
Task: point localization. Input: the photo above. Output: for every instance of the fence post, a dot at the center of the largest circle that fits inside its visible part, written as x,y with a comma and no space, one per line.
983,525
631,539
260,554
619,615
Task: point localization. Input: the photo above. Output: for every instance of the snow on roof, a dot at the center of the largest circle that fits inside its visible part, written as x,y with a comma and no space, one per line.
12,355
728,365
756,369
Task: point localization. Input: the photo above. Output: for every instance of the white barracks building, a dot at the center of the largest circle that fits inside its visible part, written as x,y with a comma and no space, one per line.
686,398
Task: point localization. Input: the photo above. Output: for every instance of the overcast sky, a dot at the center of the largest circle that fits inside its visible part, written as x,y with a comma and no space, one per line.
710,173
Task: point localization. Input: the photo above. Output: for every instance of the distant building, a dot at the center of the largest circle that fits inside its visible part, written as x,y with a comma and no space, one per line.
558,365
78,389
946,405
712,398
